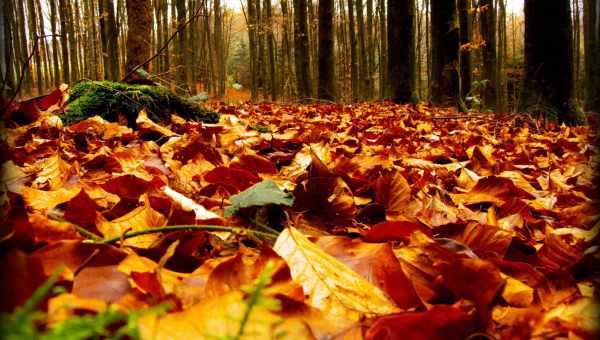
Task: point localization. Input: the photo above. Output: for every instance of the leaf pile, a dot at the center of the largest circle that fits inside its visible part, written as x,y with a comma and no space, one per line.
375,221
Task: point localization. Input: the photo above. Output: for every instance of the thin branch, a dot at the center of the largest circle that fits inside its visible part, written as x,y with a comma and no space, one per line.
197,14
184,228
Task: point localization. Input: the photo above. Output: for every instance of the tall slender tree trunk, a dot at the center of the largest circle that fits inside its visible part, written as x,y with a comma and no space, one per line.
109,36
21,24
489,66
271,48
326,87
444,53
43,45
576,48
64,39
180,43
548,84
8,55
286,49
383,58
370,49
353,56
72,40
33,37
466,31
364,66
502,95
55,47
400,43
301,53
252,47
139,21
591,27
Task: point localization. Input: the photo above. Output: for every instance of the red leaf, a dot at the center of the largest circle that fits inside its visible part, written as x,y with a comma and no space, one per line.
240,179
440,322
393,231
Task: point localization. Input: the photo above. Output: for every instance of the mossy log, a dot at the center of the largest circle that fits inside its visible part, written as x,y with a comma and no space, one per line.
109,100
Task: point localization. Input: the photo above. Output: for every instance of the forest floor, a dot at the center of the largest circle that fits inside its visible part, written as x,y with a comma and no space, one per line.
376,221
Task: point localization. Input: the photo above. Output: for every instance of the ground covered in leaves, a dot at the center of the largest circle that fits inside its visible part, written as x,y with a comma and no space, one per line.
374,221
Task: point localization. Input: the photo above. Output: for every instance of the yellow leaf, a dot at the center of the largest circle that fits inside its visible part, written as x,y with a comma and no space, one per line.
45,200
143,122
168,278
516,293
330,285
54,171
142,217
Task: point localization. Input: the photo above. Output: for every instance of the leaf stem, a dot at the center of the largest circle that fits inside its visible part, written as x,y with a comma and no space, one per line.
185,228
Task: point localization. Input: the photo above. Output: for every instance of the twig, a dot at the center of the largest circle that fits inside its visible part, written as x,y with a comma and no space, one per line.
166,44
183,228
88,234
23,69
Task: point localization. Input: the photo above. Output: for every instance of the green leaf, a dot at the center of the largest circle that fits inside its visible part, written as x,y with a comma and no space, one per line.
260,194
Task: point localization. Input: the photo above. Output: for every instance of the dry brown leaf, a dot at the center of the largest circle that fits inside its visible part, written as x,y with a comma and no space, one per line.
330,285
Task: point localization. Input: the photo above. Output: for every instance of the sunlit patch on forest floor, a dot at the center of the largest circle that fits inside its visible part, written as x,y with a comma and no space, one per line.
318,220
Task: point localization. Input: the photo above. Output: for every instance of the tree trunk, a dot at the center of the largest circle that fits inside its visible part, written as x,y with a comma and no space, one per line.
401,63
33,37
466,31
109,35
8,55
138,34
353,57
21,24
271,47
326,87
180,44
383,58
64,39
502,95
548,85
363,65
43,45
286,48
591,28
252,42
55,47
72,39
444,53
301,55
370,49
488,34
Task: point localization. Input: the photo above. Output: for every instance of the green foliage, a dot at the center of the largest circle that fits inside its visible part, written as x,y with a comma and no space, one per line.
108,99
24,322
260,128
260,194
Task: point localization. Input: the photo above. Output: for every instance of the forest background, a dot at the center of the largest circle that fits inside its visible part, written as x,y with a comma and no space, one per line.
238,50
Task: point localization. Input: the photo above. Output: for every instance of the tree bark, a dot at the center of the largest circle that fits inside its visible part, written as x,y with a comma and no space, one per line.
548,84
353,57
383,58
444,53
271,47
252,47
502,95
401,61
64,39
301,55
488,34
363,64
109,35
591,28
138,33
466,31
326,87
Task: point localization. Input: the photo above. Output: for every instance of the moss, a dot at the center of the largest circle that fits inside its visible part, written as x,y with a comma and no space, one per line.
108,100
